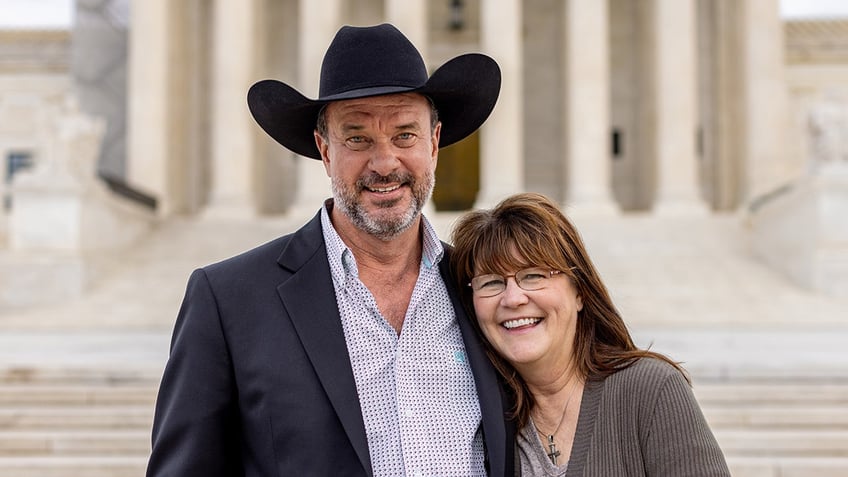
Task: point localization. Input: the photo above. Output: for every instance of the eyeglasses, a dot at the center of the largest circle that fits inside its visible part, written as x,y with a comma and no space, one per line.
529,279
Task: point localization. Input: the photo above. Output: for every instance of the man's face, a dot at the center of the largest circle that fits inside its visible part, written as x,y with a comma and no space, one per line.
380,154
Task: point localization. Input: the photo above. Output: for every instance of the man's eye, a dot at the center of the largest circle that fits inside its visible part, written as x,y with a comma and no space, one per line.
405,139
357,143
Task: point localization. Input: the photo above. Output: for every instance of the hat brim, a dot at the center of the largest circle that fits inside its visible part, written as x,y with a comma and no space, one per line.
464,91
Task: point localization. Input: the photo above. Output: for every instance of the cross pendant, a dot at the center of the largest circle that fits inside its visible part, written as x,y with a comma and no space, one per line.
554,453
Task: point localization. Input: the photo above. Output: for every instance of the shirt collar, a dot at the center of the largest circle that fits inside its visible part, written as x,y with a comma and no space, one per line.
433,251
338,254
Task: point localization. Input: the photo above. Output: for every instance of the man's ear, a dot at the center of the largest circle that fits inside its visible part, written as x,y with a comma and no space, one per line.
434,140
323,148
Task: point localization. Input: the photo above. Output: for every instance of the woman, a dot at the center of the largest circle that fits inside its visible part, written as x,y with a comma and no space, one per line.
587,400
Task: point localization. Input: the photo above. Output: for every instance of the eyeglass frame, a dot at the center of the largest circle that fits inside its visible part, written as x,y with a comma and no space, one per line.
547,273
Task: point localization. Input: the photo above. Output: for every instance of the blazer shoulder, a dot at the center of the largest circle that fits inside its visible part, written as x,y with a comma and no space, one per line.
262,254
284,250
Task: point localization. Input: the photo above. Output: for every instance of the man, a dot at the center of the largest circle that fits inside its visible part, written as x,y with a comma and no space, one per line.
342,349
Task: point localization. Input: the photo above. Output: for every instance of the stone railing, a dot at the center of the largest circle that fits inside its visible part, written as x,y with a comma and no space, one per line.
802,231
63,218
827,128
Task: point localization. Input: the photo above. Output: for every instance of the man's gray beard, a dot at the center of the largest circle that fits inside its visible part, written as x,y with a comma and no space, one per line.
384,228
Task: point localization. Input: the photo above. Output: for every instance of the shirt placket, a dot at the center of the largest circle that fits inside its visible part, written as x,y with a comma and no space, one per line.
388,420
411,414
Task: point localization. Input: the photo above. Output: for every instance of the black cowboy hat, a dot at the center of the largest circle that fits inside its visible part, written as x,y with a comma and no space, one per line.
372,61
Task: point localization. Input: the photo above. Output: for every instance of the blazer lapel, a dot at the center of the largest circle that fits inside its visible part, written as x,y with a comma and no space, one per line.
310,301
498,433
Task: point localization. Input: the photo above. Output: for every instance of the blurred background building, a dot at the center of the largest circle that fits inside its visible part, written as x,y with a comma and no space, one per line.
700,145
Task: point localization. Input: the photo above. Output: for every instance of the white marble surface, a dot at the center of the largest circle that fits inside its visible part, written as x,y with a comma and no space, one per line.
689,286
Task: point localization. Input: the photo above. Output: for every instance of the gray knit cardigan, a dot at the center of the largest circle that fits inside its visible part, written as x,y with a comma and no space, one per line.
641,421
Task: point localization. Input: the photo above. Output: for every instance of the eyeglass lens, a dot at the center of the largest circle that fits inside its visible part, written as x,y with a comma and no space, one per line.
493,284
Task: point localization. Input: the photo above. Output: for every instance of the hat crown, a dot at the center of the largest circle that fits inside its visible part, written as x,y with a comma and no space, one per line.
364,62
367,57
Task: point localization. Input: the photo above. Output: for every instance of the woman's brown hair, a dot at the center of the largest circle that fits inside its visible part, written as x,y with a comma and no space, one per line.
532,227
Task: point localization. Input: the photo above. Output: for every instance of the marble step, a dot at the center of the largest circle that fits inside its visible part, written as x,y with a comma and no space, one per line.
76,417
786,467
75,443
783,443
770,416
133,466
740,392
77,394
80,375
65,466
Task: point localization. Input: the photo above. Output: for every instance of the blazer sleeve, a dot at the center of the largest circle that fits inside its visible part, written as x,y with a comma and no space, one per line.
679,441
196,429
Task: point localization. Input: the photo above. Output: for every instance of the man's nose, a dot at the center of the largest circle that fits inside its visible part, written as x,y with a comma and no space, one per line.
384,158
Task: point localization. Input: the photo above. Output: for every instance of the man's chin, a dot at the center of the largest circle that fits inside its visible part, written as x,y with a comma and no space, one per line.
386,219
390,222
387,208
384,204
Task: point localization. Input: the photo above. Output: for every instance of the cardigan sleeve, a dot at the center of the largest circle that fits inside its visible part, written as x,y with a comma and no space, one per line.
679,441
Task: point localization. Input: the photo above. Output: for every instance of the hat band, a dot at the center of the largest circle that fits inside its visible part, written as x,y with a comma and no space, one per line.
369,91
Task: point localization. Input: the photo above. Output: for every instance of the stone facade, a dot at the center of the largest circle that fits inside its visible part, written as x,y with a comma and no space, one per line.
34,76
676,107
58,220
681,123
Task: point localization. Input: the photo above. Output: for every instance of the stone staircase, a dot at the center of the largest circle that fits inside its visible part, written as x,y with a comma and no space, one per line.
96,423
78,379
779,427
77,423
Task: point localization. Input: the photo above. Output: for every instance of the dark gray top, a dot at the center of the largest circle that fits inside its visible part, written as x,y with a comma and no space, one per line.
641,421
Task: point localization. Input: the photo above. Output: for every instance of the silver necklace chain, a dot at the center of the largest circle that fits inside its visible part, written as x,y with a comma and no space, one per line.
553,453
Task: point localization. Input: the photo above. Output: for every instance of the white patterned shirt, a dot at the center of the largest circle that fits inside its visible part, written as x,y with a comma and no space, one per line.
416,389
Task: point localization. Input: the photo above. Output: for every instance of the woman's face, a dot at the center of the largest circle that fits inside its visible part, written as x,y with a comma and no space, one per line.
531,328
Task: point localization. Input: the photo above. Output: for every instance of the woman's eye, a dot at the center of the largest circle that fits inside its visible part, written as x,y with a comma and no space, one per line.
492,283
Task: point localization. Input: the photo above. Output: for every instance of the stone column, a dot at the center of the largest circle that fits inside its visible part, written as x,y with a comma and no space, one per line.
675,107
765,103
99,69
502,136
234,69
410,17
586,111
148,137
319,21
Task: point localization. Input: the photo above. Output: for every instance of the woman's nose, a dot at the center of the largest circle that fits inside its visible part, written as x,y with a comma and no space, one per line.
513,295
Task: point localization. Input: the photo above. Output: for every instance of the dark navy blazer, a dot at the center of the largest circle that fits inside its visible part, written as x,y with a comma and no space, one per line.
259,382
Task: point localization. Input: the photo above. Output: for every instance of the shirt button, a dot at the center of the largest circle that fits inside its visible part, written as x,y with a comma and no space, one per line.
408,413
